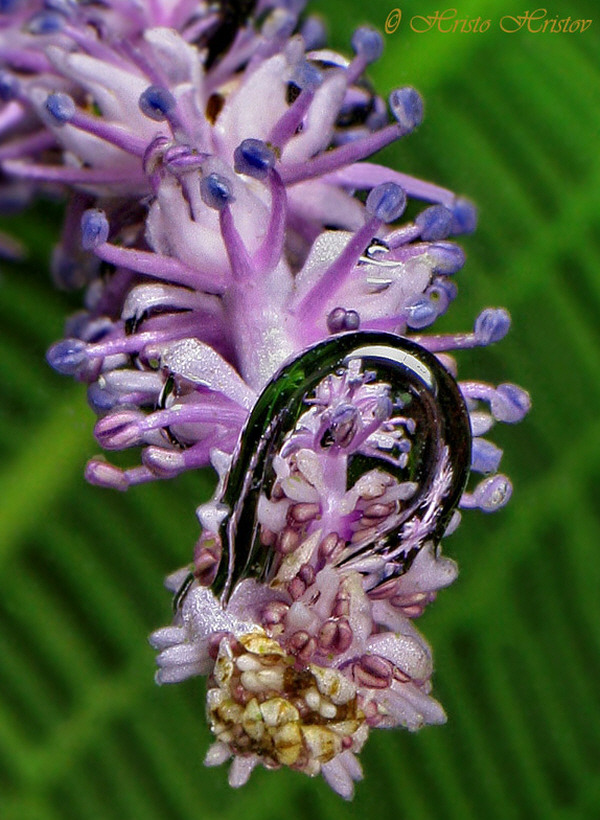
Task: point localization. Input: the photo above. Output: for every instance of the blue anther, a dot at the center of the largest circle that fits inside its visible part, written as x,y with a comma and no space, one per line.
368,43
510,403
407,108
67,356
215,191
313,33
386,202
253,158
351,320
9,86
94,228
485,456
491,325
100,398
434,223
493,493
445,288
421,313
447,258
157,103
60,107
464,217
307,76
7,6
48,22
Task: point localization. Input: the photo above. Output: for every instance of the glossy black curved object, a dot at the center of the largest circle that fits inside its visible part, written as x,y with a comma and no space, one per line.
438,460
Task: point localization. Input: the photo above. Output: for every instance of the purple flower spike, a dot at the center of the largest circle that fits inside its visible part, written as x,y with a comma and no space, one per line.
284,341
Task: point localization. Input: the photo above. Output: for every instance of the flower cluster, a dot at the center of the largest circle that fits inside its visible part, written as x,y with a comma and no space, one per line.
223,220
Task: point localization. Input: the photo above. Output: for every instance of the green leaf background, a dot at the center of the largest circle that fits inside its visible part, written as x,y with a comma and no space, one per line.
512,122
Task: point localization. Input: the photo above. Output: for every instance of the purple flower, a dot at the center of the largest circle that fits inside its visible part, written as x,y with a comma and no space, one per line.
238,250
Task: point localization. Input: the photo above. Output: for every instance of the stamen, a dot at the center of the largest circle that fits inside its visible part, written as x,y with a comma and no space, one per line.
61,108
9,86
386,202
24,146
103,474
407,108
368,46
68,356
165,268
490,495
271,249
340,319
485,456
253,158
508,403
434,223
157,103
94,229
491,326
216,192
46,23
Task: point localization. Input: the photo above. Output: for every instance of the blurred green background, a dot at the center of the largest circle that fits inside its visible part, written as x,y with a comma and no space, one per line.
512,121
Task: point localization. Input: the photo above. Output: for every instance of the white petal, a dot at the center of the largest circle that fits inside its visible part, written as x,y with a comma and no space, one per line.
167,636
218,753
338,778
409,654
241,769
175,674
246,112
428,572
319,121
178,60
201,364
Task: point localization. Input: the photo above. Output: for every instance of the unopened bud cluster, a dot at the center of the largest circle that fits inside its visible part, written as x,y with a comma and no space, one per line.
223,219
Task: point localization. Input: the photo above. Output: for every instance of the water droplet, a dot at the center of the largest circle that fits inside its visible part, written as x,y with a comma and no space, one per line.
365,435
